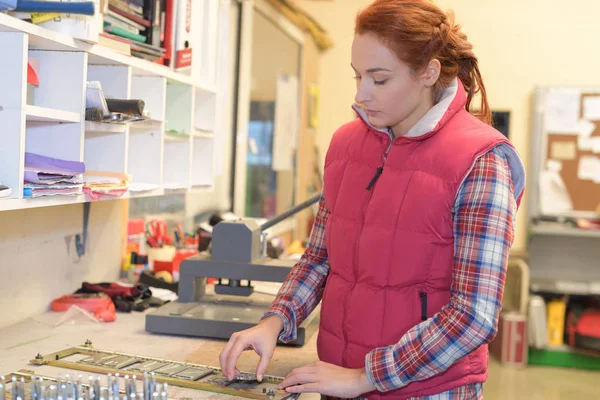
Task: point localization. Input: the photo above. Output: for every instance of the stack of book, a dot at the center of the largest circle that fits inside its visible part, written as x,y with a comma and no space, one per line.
139,24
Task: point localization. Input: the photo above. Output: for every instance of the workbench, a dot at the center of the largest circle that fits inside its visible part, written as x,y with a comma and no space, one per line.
21,342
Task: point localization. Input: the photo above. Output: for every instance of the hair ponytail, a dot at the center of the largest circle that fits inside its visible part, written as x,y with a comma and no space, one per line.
418,31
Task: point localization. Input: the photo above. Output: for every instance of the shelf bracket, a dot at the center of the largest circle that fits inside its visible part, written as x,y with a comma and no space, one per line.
81,239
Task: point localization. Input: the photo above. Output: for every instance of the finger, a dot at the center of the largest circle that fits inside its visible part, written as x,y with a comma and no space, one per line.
233,356
298,379
225,352
265,358
307,388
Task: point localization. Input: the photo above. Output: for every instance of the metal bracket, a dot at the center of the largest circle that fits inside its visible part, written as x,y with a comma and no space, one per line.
81,239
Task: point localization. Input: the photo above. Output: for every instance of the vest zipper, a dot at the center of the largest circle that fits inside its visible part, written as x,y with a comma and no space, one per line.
380,168
423,297
362,222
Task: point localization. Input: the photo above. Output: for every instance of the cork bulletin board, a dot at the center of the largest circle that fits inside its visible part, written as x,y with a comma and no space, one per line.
567,140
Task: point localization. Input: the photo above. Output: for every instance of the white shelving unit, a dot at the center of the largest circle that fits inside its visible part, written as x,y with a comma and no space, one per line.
172,151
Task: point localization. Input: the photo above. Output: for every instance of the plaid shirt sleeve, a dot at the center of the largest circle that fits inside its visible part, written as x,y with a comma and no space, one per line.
483,229
303,287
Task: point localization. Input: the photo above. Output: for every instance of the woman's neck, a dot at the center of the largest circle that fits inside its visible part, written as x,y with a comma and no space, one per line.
404,126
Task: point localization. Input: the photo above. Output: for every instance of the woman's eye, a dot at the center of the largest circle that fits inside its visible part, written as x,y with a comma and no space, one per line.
380,82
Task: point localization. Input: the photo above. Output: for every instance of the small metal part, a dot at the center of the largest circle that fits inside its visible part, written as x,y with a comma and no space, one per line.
246,377
116,385
219,380
2,392
132,387
148,366
192,373
170,370
21,391
38,356
119,362
88,343
97,386
269,392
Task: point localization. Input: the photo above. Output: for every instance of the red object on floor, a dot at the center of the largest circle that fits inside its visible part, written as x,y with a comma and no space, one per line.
510,345
99,304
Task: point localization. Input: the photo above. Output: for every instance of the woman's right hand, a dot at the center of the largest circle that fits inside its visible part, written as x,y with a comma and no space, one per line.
262,338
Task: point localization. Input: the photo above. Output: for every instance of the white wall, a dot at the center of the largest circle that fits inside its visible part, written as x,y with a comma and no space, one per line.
219,198
520,44
38,257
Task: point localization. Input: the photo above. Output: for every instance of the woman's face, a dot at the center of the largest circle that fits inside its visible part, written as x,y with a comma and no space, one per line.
391,94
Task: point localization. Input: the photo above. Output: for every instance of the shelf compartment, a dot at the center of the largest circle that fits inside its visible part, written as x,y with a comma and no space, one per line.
202,162
145,161
204,110
62,80
114,79
176,164
179,108
106,152
153,90
43,114
63,141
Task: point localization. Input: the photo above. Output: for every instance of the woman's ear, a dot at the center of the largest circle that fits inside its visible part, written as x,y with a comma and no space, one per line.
431,73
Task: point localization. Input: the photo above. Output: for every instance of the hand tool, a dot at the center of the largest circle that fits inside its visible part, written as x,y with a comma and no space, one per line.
131,107
85,8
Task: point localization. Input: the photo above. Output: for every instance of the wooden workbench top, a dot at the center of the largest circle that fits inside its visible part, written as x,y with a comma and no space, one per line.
21,342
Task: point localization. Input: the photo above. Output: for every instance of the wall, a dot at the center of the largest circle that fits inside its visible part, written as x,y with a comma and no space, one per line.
220,199
37,253
520,44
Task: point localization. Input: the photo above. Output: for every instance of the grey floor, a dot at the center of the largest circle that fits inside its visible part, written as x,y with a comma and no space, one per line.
547,383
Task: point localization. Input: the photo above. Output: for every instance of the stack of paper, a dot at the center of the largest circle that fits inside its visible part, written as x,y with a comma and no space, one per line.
46,176
99,184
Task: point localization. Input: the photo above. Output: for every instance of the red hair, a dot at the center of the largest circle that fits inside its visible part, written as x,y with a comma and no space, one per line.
418,31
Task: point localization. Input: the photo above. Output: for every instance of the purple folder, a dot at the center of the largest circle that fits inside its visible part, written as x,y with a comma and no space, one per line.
54,166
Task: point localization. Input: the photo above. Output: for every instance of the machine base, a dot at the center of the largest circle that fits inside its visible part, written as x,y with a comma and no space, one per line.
218,317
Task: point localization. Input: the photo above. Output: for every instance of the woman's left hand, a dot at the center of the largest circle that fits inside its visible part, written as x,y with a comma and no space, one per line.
327,379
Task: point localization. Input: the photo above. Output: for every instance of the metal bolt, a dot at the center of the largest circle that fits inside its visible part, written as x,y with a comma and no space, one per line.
39,356
88,343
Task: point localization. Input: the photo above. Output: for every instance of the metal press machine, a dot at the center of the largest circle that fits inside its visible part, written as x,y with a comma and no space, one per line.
237,258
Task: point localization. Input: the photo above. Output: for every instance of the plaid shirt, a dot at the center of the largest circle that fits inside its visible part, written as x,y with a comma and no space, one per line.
483,215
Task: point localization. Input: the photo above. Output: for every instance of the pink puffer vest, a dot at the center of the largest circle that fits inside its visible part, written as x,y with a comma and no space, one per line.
390,240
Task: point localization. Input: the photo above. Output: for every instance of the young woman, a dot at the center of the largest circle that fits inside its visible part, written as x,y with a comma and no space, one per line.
409,250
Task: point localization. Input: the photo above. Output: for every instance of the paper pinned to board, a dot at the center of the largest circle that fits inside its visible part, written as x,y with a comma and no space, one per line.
562,110
563,150
285,131
585,144
554,197
587,169
595,145
554,165
591,108
586,128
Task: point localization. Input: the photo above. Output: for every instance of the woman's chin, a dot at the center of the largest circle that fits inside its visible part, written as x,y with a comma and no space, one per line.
377,122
